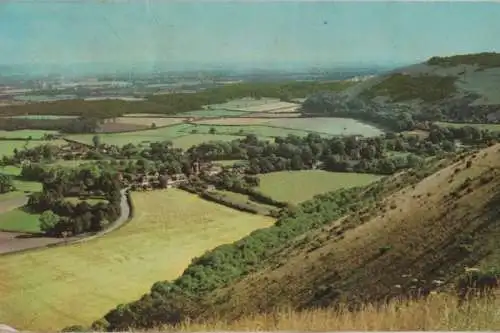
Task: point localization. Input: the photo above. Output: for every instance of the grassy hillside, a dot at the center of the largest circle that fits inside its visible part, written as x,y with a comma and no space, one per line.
429,231
483,60
439,313
202,285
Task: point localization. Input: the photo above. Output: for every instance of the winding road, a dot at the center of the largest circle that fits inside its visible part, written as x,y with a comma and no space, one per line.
11,242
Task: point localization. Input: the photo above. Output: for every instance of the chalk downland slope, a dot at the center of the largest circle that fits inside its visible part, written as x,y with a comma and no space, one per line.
430,231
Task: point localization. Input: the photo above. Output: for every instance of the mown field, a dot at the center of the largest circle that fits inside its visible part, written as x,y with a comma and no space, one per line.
25,134
298,186
7,146
49,289
19,220
187,141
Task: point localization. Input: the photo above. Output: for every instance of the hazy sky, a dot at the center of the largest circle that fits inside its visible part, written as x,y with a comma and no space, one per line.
320,33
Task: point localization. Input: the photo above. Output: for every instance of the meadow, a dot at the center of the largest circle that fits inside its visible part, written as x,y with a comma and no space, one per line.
245,199
333,126
25,134
49,289
258,130
243,104
7,146
189,140
19,220
298,186
136,137
212,113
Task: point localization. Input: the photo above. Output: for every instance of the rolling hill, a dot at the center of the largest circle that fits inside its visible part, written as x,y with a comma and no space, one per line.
461,88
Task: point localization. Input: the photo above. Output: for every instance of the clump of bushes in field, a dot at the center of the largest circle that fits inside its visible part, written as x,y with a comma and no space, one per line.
60,216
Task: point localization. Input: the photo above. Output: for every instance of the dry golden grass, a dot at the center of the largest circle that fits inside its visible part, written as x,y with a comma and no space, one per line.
439,312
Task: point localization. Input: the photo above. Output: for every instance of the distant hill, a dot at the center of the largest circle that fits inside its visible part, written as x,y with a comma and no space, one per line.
462,88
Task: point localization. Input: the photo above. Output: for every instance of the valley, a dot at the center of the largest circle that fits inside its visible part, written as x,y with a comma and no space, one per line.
242,199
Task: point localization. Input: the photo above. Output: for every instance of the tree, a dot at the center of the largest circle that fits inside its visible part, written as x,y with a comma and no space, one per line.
96,140
48,220
212,130
6,184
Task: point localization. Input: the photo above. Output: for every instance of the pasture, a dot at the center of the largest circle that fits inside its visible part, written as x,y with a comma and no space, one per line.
7,146
19,220
243,104
46,290
298,186
25,134
187,141
213,113
233,121
333,126
242,130
136,137
148,121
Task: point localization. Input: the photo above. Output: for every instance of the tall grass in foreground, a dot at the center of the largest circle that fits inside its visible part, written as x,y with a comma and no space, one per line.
438,312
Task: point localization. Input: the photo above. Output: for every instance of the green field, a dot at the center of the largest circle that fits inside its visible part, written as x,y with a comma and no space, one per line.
490,127
298,186
19,220
187,141
333,126
22,187
243,103
7,146
213,113
136,137
49,289
245,199
259,130
25,134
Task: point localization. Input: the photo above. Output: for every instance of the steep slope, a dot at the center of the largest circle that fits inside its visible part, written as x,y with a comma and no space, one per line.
429,231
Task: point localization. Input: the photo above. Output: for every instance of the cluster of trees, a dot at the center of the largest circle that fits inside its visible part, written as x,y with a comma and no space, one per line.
6,184
84,182
342,154
404,87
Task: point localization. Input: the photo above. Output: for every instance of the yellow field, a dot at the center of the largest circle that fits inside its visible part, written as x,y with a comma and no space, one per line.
52,288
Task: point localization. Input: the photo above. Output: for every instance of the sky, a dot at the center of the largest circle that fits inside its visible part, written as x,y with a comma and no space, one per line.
251,33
